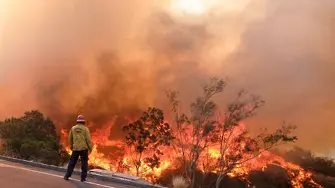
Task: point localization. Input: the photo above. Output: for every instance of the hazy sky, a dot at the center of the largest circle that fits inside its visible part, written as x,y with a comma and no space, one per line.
113,58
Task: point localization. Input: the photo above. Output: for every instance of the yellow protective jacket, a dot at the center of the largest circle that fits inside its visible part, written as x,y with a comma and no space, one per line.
80,138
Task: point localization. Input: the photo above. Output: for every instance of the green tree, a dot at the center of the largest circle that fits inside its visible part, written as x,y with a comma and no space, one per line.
32,137
195,133
148,134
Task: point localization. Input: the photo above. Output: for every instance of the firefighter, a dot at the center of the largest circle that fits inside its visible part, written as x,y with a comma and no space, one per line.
80,144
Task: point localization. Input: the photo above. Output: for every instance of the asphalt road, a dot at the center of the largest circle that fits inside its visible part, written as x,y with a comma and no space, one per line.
13,175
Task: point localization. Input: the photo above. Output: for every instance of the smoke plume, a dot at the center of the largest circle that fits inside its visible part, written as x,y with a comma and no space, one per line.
110,59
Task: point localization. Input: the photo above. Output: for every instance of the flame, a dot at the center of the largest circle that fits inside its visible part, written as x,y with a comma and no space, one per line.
123,161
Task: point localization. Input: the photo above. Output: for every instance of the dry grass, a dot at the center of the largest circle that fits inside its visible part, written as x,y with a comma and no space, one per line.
179,182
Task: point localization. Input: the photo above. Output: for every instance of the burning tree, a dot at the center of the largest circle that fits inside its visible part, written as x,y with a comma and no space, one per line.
234,147
147,134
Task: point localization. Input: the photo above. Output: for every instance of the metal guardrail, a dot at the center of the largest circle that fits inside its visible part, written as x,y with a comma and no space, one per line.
125,177
95,174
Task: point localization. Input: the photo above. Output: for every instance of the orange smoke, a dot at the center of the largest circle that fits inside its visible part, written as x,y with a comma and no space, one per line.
71,57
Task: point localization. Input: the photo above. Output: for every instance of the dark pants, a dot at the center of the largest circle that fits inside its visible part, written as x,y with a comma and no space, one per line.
73,160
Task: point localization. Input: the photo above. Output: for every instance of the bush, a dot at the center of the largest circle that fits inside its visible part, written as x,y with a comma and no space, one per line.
32,137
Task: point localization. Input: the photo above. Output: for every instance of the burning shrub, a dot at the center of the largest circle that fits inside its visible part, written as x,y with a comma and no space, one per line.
322,167
307,160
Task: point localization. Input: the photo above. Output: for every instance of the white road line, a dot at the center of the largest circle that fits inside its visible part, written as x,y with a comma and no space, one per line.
49,174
